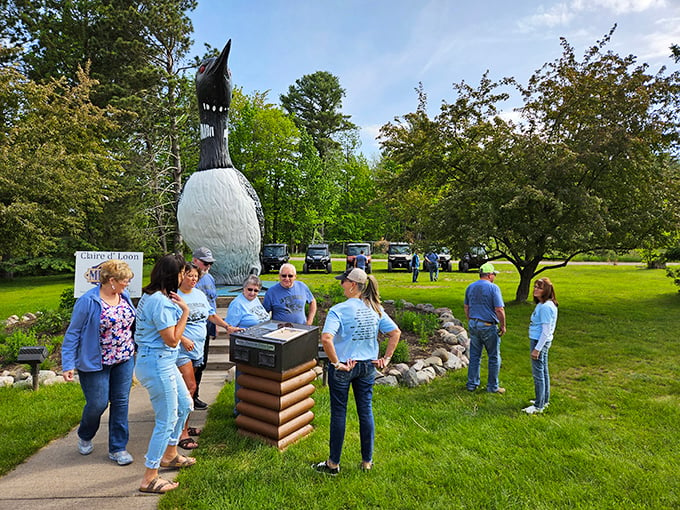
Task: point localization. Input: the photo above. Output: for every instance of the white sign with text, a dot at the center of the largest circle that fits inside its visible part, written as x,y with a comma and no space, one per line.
87,269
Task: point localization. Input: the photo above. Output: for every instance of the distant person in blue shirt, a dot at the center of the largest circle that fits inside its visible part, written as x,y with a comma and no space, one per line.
541,330
415,267
287,299
360,261
433,265
350,340
485,312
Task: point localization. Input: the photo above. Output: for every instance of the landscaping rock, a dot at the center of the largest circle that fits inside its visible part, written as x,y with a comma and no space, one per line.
440,371
433,360
402,368
410,378
6,380
442,354
418,365
453,363
388,380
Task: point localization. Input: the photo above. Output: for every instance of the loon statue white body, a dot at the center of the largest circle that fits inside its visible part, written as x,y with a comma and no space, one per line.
219,209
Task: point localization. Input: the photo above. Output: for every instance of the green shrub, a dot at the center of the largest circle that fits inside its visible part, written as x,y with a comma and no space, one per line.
50,322
674,274
422,324
10,345
66,301
400,355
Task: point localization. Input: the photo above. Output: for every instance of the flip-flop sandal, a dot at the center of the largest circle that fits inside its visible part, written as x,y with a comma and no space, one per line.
180,461
188,443
193,431
157,485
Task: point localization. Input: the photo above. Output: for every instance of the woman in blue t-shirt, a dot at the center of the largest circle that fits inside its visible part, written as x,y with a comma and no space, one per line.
161,318
541,329
350,340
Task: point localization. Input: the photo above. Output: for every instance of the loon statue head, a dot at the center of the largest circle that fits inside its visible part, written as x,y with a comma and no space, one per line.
213,90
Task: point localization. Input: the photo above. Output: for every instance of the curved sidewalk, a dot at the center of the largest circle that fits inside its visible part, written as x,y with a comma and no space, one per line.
58,477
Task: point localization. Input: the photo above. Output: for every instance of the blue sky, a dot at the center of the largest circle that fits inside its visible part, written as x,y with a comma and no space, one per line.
381,49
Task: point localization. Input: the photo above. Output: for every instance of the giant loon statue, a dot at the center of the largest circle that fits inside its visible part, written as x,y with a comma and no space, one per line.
218,208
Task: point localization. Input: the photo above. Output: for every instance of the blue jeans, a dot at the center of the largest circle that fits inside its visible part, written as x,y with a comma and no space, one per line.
539,369
415,274
361,378
483,336
109,385
434,271
170,399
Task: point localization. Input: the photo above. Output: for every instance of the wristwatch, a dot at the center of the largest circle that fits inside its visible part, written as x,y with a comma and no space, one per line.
336,364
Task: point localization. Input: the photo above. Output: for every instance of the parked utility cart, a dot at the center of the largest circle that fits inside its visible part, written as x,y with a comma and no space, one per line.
398,256
273,257
318,256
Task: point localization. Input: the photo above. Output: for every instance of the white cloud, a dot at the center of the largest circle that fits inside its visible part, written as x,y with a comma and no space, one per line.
562,13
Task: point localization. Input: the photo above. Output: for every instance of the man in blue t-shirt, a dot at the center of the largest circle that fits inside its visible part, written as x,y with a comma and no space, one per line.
485,312
360,261
286,300
433,265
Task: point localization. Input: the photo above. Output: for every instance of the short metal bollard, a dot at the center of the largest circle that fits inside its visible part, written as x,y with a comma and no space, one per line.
33,356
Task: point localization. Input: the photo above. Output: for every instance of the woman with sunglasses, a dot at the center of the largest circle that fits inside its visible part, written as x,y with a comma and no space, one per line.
246,311
541,329
350,340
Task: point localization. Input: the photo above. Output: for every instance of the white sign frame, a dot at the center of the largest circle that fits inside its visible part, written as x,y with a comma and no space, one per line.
87,269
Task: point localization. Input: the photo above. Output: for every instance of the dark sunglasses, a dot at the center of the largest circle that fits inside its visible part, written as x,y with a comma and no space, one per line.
252,290
287,276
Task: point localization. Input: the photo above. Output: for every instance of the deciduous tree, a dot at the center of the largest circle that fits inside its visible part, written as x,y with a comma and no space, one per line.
590,165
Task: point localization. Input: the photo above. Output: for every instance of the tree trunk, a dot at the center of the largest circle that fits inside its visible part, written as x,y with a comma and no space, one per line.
526,273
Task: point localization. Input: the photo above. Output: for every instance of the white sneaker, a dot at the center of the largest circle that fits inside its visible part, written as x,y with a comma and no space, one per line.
532,402
85,447
532,410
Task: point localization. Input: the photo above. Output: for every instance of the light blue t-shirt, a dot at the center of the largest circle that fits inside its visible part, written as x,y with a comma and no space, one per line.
355,327
288,305
483,297
543,314
243,313
195,330
155,312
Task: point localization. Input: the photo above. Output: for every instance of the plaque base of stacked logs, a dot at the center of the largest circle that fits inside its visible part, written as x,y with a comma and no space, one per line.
275,407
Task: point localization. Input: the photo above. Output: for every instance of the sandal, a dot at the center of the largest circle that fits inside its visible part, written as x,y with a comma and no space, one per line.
188,443
157,485
193,431
180,461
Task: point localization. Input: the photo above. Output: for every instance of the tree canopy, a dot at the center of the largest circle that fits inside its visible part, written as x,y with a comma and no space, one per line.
315,101
589,164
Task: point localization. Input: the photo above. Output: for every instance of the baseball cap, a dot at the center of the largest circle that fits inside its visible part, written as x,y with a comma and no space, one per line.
203,254
487,269
354,275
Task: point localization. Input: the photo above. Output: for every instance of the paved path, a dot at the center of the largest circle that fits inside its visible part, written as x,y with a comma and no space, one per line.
58,477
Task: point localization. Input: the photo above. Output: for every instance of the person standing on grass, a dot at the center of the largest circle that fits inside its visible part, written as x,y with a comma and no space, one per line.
350,340
485,312
99,343
360,261
161,319
415,266
541,330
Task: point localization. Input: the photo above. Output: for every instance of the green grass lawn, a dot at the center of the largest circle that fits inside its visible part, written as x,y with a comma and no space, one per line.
608,440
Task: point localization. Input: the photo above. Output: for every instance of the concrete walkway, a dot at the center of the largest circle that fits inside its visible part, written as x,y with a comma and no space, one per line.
58,477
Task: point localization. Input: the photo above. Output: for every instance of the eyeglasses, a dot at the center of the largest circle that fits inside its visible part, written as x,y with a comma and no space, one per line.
287,275
252,290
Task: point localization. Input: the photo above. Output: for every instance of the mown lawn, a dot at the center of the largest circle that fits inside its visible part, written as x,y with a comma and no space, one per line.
609,439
